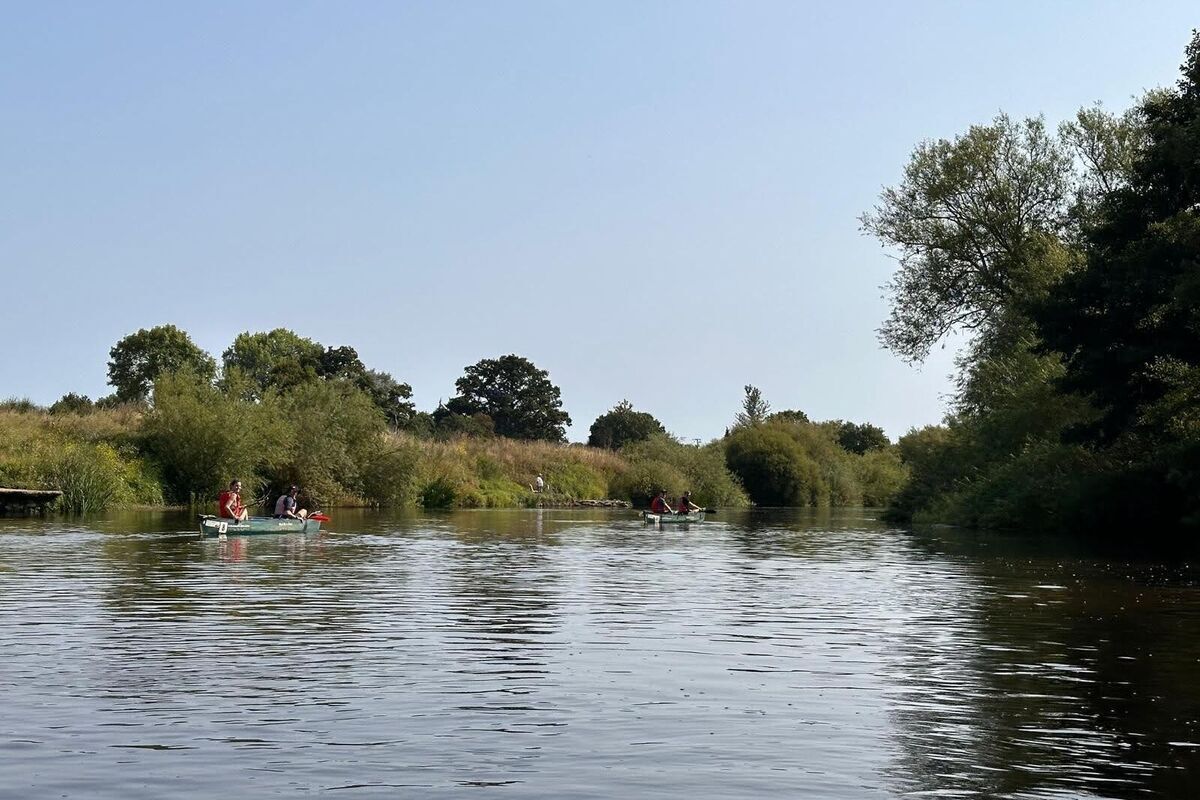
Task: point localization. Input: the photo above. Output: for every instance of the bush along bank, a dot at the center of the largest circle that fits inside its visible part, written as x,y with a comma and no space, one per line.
194,435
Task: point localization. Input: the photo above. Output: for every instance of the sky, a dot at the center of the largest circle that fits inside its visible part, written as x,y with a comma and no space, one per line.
654,201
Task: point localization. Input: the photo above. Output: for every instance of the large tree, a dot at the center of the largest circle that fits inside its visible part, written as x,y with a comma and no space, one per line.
755,408
977,223
1129,323
278,360
282,361
518,397
621,426
140,358
390,396
861,438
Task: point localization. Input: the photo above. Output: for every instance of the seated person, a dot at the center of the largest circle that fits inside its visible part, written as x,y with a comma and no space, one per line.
659,504
229,503
686,506
285,506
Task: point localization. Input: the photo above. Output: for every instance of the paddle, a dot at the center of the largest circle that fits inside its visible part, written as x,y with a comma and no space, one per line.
319,517
709,510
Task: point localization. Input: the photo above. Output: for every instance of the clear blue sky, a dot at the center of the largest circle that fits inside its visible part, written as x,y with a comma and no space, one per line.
616,190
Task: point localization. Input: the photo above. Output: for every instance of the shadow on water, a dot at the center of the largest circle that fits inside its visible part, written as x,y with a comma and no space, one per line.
1049,666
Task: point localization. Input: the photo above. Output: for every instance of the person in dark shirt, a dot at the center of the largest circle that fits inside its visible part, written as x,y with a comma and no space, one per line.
285,506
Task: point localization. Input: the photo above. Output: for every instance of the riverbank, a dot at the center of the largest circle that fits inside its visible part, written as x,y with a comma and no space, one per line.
134,457
196,438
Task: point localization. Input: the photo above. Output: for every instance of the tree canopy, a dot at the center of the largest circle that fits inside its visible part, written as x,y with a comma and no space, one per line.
1127,323
856,438
754,408
140,358
518,397
282,361
278,360
976,223
621,426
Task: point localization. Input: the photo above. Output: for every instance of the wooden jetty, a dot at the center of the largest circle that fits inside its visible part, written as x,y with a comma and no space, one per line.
27,501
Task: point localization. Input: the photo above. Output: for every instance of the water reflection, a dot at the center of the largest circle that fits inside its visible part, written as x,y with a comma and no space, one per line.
582,654
1049,670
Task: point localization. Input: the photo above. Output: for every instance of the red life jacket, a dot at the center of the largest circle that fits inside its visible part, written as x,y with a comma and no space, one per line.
659,506
223,500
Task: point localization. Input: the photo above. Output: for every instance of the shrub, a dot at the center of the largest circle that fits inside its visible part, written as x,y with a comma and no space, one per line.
390,478
89,476
881,474
703,469
644,478
72,403
774,467
202,438
19,405
336,433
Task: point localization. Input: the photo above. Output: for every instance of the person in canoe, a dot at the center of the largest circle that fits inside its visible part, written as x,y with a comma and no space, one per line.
285,506
230,505
686,506
659,504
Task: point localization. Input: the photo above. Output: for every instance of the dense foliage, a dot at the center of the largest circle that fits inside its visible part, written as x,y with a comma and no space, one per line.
622,426
140,358
518,397
1078,395
799,463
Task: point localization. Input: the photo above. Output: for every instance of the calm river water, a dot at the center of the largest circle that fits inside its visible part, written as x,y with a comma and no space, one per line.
563,654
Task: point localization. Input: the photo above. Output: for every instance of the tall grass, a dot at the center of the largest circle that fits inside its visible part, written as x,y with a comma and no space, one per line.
489,473
331,440
91,459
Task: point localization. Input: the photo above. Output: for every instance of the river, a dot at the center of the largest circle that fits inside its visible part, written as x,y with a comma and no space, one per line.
565,654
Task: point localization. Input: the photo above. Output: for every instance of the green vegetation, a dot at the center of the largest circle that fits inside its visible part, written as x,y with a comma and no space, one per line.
92,459
285,409
140,358
517,398
1073,262
623,426
791,462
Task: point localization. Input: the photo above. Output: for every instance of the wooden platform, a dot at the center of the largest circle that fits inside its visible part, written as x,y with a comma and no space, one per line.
27,501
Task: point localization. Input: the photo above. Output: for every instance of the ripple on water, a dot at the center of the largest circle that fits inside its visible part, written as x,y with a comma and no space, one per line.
553,654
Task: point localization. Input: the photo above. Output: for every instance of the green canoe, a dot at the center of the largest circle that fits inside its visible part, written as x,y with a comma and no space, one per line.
212,526
671,519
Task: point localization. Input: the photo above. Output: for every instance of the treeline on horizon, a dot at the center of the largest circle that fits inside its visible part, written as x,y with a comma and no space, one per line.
1072,259
282,409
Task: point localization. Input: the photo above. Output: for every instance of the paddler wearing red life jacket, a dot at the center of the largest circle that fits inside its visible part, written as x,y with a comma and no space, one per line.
659,504
229,504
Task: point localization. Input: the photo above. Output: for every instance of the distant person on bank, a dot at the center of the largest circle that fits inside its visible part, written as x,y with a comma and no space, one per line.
538,484
285,506
230,505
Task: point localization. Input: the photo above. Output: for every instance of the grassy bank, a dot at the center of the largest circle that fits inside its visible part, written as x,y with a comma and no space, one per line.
328,437
195,439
